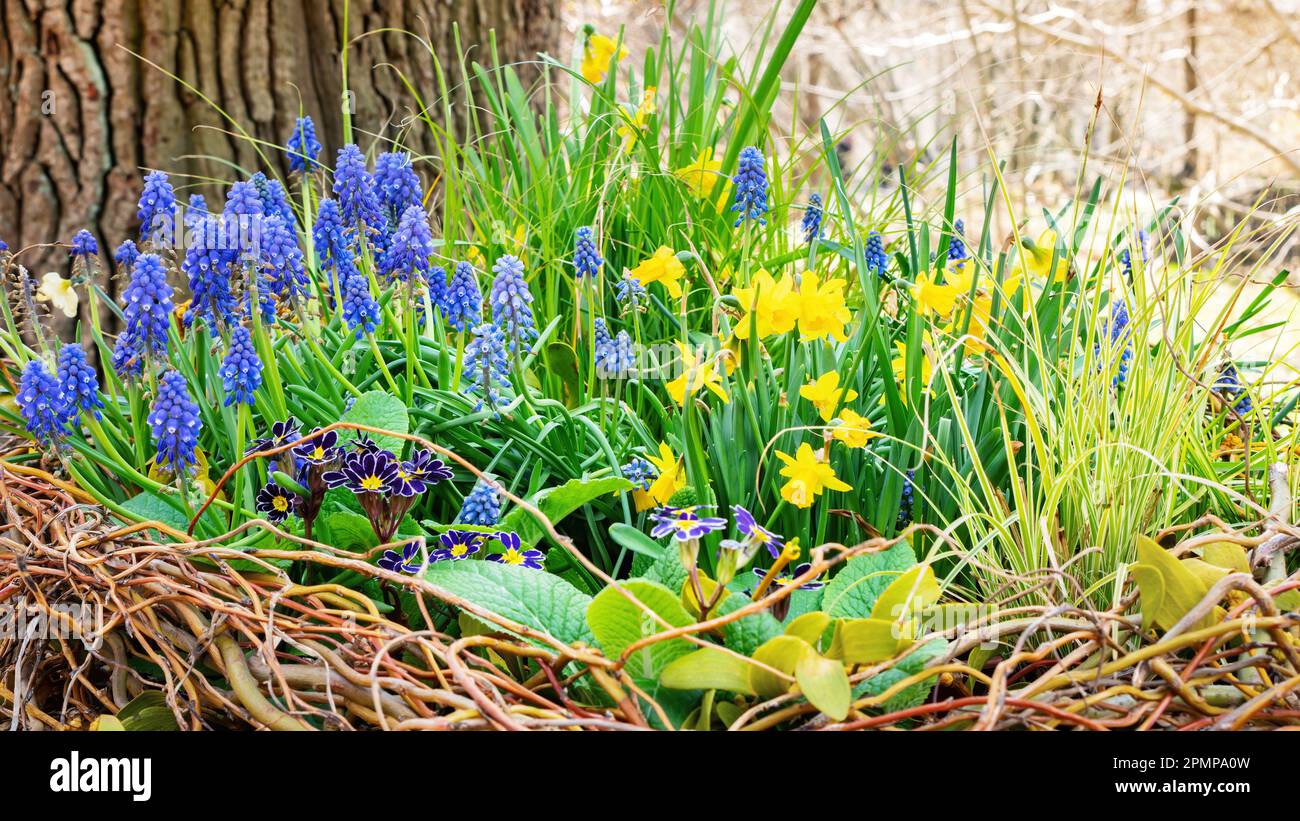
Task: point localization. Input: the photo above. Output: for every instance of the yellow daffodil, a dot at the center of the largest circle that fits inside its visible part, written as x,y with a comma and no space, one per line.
701,175
663,267
597,53
730,354
822,310
632,126
980,315
826,394
899,364
770,304
852,429
1038,257
933,297
671,479
59,293
808,477
695,374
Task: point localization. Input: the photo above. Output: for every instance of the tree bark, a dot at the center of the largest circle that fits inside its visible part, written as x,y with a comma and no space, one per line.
82,118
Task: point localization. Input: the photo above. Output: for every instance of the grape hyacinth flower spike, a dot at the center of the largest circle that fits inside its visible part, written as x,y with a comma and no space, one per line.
751,187
512,303
41,402
481,507
78,384
303,147
812,219
241,370
157,209
586,259
175,424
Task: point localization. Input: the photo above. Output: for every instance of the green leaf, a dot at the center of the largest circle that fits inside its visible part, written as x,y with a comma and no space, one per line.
912,591
668,571
636,541
853,592
563,363
708,669
153,507
865,641
379,409
809,627
911,664
749,633
781,653
558,502
346,530
825,684
529,597
147,712
617,623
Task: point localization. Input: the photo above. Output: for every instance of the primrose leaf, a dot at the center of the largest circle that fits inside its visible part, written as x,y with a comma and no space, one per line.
708,669
911,664
617,623
747,634
153,507
558,502
825,684
379,409
529,597
854,590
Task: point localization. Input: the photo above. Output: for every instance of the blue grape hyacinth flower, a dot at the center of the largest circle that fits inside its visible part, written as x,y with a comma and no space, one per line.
41,401
397,184
209,264
812,219
355,190
481,507
410,247
126,254
175,423
147,313
512,303
463,304
241,370
877,260
156,209
78,384
84,244
282,261
303,147
360,311
487,366
751,187
586,259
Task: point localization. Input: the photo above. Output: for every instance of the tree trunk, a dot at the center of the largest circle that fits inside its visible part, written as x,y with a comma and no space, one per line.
82,118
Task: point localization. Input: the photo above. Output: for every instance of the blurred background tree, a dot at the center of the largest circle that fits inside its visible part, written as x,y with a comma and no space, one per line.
87,105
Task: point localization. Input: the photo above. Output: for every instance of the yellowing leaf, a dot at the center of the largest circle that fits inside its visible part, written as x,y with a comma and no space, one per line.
1226,554
1151,591
781,653
809,626
914,590
825,684
1209,574
708,669
864,641
1183,589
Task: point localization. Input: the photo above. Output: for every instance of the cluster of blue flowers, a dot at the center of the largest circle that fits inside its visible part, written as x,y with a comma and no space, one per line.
156,208
398,186
907,501
462,305
614,355
630,292
84,244
126,254
511,302
51,404
1229,387
303,147
958,253
208,264
275,200
1115,331
481,507
410,248
148,312
877,260
812,219
355,190
487,366
241,370
1126,259
41,401
751,187
78,384
284,275
586,259
639,472
174,421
